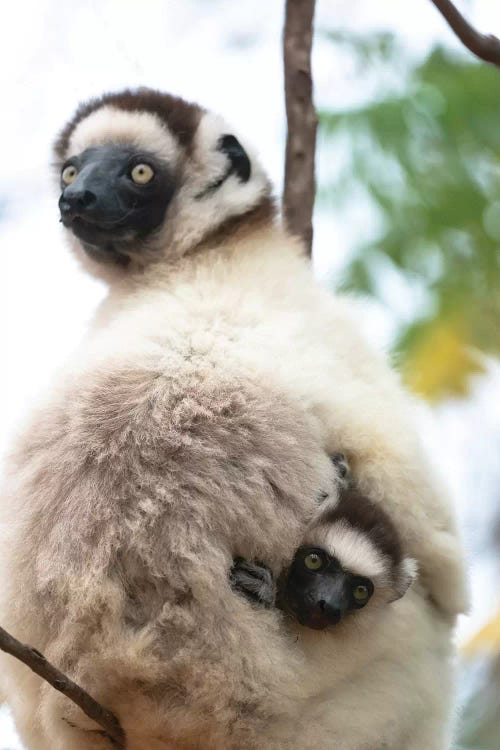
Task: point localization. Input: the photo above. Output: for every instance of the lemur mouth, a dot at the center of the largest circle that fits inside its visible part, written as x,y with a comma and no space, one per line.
93,233
99,241
317,617
314,620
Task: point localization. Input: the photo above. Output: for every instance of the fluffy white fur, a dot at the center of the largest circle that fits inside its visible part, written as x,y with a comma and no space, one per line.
189,219
385,682
195,426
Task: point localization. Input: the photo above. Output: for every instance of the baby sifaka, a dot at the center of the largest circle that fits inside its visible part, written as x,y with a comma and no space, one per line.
351,558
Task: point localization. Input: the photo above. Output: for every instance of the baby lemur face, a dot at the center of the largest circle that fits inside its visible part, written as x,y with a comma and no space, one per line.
351,558
319,591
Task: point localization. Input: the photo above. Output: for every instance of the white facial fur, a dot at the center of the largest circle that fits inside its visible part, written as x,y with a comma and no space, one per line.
352,548
190,217
112,125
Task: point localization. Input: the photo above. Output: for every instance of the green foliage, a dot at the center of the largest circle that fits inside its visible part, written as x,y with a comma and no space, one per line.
382,47
428,158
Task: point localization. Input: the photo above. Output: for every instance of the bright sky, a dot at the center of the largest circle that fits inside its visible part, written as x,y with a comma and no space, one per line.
226,55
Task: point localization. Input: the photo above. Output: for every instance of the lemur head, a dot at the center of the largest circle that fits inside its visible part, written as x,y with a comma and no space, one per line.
351,559
144,175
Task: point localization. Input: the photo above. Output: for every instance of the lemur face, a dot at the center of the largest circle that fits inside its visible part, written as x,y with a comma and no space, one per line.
144,173
351,558
114,194
319,592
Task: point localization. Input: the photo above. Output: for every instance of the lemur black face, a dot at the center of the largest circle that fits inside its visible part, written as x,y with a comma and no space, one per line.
113,195
319,593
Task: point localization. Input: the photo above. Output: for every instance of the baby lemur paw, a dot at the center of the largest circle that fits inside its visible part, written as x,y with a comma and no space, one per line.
254,580
342,478
343,470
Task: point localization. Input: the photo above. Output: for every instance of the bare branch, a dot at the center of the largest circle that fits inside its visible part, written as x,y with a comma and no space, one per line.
39,664
298,195
484,46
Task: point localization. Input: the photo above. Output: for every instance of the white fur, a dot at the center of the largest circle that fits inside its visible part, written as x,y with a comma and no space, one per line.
387,682
112,125
258,304
189,218
255,309
353,549
410,569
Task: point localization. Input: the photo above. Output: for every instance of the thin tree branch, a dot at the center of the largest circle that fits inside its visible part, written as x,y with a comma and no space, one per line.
484,46
299,190
39,664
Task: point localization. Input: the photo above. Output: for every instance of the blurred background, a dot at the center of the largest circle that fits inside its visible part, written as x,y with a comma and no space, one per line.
407,216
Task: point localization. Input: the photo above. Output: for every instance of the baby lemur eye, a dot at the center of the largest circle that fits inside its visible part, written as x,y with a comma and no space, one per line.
141,174
361,592
313,561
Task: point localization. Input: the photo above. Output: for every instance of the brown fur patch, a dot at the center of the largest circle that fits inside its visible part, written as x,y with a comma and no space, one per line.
238,228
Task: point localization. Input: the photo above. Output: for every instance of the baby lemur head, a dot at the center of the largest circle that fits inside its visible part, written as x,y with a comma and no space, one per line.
351,558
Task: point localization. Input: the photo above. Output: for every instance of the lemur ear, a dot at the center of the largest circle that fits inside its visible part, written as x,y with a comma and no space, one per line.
408,572
240,163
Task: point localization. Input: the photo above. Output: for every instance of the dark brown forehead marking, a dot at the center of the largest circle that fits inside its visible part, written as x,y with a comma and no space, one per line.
369,518
181,117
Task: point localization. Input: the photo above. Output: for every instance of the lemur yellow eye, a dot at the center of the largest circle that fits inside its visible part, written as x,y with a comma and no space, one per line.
69,174
313,561
361,593
142,174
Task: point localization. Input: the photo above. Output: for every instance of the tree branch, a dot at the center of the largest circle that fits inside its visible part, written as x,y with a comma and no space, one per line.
39,664
484,46
299,190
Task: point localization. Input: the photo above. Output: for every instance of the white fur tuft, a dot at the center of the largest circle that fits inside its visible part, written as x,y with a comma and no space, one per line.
354,550
109,124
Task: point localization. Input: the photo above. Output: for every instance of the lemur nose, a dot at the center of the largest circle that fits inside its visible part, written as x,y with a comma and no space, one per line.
73,202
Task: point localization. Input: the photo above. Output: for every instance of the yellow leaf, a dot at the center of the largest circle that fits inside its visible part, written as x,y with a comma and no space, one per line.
440,362
487,639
